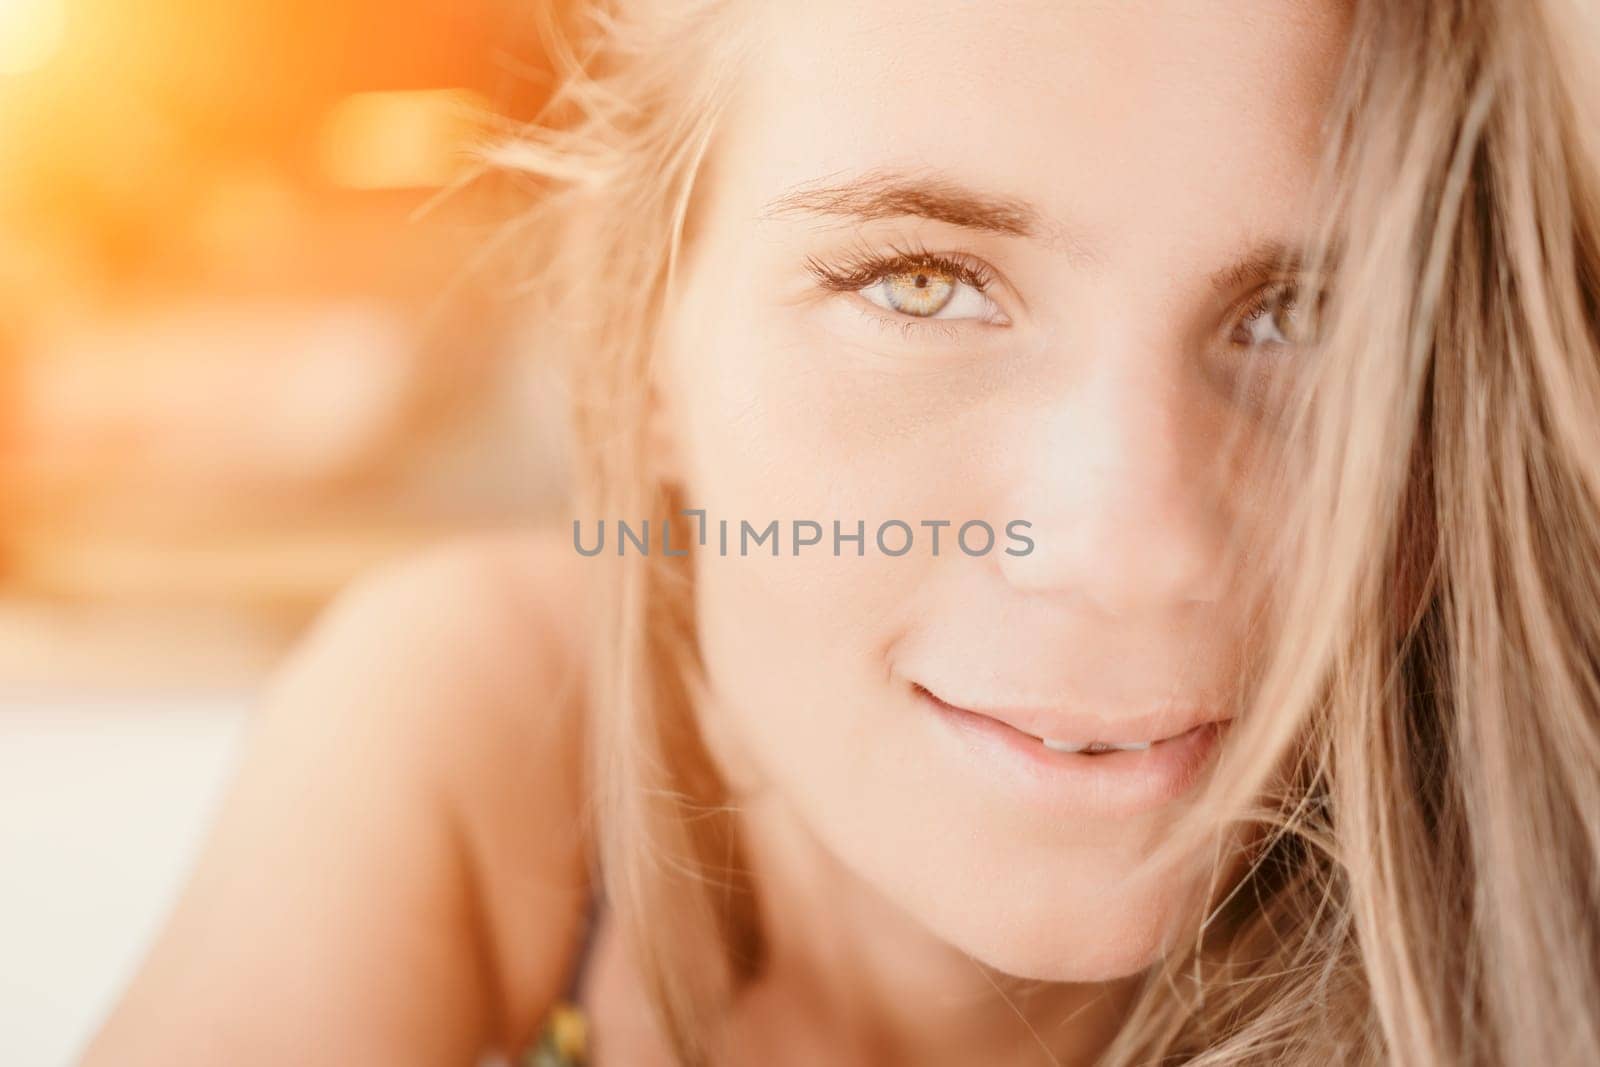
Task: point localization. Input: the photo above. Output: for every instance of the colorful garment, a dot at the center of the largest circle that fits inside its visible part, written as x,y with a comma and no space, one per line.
565,1040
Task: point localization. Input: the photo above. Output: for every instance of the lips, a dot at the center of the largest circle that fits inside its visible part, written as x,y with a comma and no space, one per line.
1080,763
1063,730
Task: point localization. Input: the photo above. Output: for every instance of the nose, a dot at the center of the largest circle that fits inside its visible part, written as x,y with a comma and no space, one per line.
1120,482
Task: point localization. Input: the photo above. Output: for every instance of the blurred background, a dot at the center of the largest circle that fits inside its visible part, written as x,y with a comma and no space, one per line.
255,337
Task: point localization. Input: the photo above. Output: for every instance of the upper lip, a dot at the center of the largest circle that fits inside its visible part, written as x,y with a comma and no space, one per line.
1073,726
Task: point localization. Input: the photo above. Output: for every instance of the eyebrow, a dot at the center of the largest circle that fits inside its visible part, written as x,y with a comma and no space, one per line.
892,194
1262,261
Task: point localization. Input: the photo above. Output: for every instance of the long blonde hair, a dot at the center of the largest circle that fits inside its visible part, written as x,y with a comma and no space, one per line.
1423,879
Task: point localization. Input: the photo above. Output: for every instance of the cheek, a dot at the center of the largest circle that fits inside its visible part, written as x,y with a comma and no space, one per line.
795,643
783,425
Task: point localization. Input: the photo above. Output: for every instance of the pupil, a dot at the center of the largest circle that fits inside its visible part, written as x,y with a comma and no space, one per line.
922,281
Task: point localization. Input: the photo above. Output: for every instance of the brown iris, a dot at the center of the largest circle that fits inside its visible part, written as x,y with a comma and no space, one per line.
921,292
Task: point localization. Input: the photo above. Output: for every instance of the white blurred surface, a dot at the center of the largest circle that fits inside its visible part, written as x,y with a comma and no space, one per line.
103,803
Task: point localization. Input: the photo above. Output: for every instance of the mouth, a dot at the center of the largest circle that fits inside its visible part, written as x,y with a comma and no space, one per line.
1086,764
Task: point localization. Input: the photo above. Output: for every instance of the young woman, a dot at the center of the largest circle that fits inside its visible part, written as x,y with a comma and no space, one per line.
1262,725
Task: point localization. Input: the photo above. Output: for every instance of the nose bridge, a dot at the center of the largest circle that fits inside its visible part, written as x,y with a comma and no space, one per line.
1124,513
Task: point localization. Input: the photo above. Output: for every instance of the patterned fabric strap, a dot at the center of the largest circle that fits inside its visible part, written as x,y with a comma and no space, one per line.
565,1040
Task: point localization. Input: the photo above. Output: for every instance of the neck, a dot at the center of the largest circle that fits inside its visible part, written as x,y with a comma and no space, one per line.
852,973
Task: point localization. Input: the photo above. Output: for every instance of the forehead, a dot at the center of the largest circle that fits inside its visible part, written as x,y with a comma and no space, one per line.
1110,114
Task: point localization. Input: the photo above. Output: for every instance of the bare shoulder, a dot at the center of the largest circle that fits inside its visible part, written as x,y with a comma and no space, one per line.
397,873
468,639
480,641
480,593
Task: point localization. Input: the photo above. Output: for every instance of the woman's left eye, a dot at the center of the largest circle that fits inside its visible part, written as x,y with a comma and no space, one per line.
1280,317
929,293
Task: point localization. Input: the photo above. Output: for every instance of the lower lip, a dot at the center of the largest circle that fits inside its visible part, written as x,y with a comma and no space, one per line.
1114,784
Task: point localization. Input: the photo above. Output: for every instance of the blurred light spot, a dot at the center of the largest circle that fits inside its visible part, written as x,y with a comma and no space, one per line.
399,140
30,33
245,214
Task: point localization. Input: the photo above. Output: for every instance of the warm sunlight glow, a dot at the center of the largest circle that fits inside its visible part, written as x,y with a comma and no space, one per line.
30,33
398,140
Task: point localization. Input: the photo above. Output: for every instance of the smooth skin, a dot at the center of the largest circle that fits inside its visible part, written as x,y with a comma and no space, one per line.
395,878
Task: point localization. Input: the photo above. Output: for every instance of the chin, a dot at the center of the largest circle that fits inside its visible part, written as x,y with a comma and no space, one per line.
1103,957
1066,921
1099,945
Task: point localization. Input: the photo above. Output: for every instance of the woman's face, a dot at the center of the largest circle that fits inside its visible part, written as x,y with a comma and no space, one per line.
992,262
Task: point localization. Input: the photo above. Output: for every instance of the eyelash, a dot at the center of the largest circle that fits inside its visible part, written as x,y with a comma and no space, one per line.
860,268
1263,300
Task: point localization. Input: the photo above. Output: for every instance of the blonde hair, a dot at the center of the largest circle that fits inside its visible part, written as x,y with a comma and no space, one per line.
1422,880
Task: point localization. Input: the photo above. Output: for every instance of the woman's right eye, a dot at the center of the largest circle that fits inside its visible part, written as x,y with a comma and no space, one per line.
915,286
928,293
